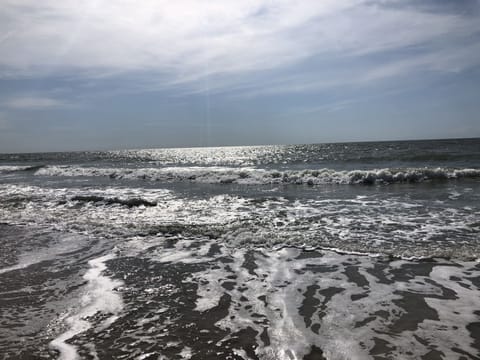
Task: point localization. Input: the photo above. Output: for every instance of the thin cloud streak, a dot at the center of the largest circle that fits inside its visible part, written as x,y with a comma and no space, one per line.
33,103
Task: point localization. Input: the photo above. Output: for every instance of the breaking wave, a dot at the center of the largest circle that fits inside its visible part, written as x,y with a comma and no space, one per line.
15,168
256,176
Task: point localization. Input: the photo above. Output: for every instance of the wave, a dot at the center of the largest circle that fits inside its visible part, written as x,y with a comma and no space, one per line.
15,168
110,201
255,176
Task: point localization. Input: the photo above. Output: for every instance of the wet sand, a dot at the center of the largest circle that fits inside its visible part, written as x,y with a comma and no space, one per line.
198,299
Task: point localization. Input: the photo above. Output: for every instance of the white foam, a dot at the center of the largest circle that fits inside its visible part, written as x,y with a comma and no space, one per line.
242,353
210,292
99,296
249,175
453,312
283,279
186,353
183,254
398,226
10,168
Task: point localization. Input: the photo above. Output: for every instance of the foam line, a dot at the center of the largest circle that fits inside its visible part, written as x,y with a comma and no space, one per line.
99,296
256,176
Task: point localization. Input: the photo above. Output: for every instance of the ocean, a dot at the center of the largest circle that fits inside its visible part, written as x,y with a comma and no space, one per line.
329,251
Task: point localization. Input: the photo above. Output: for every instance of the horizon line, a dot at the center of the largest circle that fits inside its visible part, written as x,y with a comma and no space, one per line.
251,145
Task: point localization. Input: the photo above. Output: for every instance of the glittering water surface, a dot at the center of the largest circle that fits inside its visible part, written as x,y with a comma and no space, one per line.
335,251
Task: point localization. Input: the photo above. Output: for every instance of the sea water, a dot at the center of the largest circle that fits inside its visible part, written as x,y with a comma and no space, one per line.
327,251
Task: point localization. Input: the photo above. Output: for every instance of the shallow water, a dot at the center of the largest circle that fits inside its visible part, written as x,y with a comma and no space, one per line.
336,251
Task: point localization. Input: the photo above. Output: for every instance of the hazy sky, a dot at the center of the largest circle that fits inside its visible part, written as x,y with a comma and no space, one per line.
121,74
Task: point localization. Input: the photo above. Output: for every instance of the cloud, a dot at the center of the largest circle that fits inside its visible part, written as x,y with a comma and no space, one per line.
183,42
184,37
33,103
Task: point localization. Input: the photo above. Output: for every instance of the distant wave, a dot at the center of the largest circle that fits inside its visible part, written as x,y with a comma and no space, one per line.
109,201
226,175
14,168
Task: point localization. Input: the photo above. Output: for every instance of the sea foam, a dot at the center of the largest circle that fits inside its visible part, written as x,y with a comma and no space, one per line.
99,296
258,176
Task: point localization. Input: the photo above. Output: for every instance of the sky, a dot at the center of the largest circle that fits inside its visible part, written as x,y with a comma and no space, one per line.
98,74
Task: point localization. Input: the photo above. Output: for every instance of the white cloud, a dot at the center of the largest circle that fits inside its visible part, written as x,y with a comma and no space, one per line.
184,37
185,40
33,103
